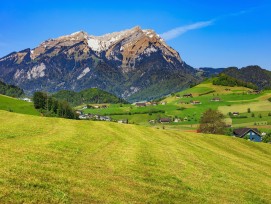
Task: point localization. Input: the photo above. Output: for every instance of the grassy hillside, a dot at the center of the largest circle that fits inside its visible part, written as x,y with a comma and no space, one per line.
17,106
233,99
51,160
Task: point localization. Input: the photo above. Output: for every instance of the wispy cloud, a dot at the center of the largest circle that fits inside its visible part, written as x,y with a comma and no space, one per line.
171,34
176,32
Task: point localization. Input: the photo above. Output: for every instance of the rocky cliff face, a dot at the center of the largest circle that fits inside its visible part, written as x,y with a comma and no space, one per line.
125,63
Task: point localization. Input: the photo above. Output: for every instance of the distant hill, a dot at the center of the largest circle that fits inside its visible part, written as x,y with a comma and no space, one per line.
208,71
225,80
253,74
92,95
10,90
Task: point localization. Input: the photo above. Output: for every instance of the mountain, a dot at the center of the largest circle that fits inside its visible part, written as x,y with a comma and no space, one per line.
91,95
122,63
252,74
10,90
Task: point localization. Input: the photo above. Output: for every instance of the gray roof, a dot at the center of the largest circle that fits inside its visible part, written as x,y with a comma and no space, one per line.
241,132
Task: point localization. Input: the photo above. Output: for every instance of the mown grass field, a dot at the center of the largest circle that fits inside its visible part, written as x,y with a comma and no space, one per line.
51,160
18,106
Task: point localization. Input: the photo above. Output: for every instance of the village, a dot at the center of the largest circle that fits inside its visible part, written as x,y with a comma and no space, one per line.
178,111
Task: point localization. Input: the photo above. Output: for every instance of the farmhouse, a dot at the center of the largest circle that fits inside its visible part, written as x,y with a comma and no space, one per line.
235,113
195,102
79,112
140,104
216,99
164,120
187,95
254,92
124,121
27,100
249,133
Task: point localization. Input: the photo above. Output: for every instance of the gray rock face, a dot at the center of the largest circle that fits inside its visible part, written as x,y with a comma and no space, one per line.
125,63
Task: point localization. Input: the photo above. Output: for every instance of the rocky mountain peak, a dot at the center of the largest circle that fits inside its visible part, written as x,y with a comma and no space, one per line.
123,63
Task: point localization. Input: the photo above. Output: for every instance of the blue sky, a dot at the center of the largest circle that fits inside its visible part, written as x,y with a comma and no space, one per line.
208,33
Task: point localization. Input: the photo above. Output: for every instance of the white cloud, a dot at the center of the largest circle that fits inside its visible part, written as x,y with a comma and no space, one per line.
171,34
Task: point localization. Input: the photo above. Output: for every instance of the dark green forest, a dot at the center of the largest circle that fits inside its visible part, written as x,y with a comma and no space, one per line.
10,90
91,95
50,106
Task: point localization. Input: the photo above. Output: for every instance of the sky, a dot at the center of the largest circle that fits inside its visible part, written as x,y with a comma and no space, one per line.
207,33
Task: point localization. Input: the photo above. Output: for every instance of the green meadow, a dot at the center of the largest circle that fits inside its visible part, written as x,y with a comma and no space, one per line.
52,160
18,106
233,99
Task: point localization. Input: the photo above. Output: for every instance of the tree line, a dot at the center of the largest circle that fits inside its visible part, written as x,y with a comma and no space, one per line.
50,106
10,90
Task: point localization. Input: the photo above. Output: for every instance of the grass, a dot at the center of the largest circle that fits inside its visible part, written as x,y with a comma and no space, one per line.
18,106
233,99
51,160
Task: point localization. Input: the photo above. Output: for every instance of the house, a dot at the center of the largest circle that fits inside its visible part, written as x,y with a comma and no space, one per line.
164,120
188,95
82,116
79,112
152,121
252,134
27,100
148,103
104,106
105,118
140,104
124,121
254,92
176,120
235,113
154,103
195,102
216,99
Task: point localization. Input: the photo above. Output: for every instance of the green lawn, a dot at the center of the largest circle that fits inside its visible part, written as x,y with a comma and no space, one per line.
17,106
51,160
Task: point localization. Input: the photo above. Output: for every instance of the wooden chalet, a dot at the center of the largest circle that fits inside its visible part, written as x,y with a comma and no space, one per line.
188,95
252,134
216,99
140,104
164,120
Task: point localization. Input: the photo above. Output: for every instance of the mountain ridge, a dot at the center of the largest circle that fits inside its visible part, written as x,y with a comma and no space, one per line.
122,63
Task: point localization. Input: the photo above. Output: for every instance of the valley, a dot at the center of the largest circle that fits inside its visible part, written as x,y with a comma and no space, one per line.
186,115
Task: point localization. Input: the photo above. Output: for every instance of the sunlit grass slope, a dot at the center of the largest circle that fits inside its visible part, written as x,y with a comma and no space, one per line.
17,106
50,160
